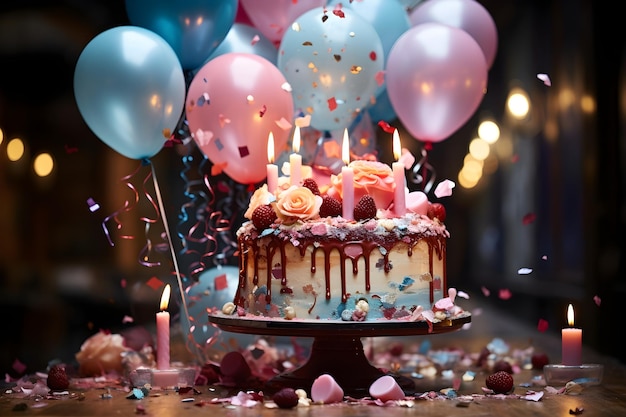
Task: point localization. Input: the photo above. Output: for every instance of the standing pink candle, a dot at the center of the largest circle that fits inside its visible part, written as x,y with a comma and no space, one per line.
399,200
295,159
163,331
571,342
347,179
272,168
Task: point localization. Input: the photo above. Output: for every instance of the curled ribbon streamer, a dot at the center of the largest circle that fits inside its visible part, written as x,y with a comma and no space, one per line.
423,172
169,241
126,208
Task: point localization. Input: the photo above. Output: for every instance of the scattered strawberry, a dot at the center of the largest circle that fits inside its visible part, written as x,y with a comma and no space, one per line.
263,216
502,365
286,398
539,360
500,382
311,185
57,378
365,208
436,211
331,207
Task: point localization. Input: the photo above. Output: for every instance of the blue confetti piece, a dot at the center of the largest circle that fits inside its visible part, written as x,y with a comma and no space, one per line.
218,144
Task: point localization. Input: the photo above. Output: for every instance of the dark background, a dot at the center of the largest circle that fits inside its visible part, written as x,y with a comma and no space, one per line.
61,280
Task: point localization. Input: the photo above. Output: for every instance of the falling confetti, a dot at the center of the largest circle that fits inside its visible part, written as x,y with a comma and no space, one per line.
444,188
386,126
542,325
485,291
545,78
155,283
332,104
504,294
524,271
528,218
597,300
93,206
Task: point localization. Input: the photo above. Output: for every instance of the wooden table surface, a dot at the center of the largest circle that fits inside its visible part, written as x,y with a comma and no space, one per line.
608,398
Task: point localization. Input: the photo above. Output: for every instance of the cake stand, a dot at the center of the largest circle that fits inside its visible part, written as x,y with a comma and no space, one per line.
337,348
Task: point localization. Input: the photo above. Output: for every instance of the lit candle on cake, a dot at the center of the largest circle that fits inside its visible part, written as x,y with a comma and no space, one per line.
295,159
347,179
272,168
399,203
163,331
571,340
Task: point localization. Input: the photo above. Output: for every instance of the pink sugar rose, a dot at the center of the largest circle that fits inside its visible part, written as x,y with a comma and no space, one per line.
298,203
370,177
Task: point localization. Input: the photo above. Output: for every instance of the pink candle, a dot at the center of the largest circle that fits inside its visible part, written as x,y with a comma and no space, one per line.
571,342
163,331
272,168
347,179
399,203
295,159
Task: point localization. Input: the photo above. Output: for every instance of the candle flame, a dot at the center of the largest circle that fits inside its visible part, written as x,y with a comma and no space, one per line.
270,148
345,147
296,139
397,148
165,298
570,315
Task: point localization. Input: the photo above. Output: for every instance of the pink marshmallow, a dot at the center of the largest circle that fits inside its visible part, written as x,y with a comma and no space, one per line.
386,388
417,202
326,390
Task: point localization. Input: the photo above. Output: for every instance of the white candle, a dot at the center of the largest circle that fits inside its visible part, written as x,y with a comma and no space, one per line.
571,342
347,179
163,331
295,159
272,168
399,203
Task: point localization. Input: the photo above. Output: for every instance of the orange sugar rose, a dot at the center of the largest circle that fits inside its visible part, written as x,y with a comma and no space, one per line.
298,203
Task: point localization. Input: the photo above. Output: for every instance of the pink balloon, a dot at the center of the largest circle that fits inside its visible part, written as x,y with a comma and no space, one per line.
233,103
273,17
436,78
468,15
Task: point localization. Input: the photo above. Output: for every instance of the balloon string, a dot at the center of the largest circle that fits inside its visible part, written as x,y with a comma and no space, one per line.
171,245
127,207
423,172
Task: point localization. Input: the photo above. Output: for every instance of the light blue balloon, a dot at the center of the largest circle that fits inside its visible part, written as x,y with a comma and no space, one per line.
130,89
193,28
214,288
240,38
331,61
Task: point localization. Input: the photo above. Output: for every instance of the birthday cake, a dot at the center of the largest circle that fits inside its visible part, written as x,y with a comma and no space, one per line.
301,259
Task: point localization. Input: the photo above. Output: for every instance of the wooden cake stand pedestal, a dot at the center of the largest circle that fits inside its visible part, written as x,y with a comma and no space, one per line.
337,349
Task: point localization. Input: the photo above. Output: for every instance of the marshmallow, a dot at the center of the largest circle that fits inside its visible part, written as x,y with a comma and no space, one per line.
326,390
386,388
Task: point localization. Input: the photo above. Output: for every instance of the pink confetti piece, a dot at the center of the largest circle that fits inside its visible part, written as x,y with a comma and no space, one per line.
380,77
70,149
386,127
542,325
339,13
485,291
544,257
203,136
332,104
223,120
528,218
597,300
155,283
221,282
545,78
373,55
123,283
128,319
255,40
463,294
18,366
444,188
533,396
524,271
283,123
515,159
504,294
262,111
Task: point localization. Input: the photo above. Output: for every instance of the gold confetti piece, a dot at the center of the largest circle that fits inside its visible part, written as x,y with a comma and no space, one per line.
355,69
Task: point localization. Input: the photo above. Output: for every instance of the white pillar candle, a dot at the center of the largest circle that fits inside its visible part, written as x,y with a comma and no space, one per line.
271,167
399,202
571,342
163,331
295,159
347,179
